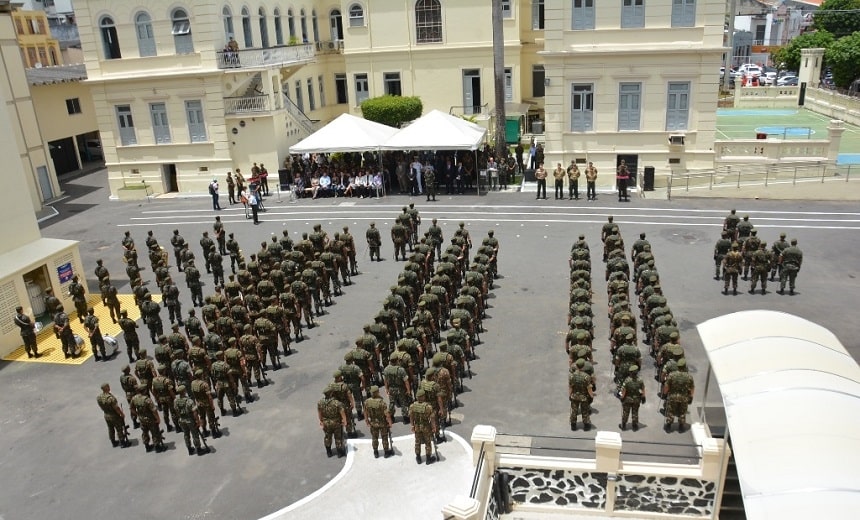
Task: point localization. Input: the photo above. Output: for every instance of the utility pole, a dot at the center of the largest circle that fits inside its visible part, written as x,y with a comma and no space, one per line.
499,76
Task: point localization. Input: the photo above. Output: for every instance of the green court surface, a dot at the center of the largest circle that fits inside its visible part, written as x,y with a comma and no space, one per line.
742,123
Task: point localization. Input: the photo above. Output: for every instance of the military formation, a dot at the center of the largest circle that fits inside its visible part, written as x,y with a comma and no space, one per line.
419,346
246,324
657,324
740,252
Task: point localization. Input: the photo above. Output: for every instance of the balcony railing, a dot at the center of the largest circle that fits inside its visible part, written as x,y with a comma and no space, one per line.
275,56
246,104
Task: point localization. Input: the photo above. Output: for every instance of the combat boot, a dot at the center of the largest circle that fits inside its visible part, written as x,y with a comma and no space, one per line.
418,459
115,443
148,447
328,451
791,291
586,426
389,453
223,411
341,452
430,459
191,451
259,384
203,451
205,432
781,290
125,443
667,427
375,453
573,426
735,291
248,397
635,426
623,426
169,427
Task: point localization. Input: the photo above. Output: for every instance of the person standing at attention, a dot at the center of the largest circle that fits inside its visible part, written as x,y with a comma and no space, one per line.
540,175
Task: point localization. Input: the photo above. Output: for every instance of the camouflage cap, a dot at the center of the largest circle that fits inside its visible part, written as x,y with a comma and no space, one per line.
337,373
633,368
580,363
374,389
198,373
328,391
180,388
104,386
629,337
430,371
420,393
674,335
682,363
456,321
782,235
141,388
348,356
126,368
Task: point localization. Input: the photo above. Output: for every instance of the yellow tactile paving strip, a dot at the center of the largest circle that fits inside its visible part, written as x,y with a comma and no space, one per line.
50,350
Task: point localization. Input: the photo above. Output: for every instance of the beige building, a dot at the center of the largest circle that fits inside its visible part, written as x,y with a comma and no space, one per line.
28,263
30,147
176,107
38,47
632,80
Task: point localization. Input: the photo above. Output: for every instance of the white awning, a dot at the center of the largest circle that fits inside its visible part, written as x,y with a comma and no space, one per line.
346,133
792,399
437,131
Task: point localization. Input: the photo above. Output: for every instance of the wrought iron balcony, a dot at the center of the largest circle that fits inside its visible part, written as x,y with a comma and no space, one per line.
246,104
271,57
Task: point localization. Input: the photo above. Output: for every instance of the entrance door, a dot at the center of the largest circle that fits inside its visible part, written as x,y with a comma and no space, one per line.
632,164
168,178
63,155
336,24
472,91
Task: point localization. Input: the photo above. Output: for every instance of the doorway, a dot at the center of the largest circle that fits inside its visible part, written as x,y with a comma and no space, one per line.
336,24
632,166
168,178
63,155
472,91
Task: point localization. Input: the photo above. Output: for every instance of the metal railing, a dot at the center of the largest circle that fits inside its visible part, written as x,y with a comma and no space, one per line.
479,470
738,176
274,56
300,117
246,104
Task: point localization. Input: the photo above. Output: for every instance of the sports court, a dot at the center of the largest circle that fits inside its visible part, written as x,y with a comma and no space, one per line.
800,123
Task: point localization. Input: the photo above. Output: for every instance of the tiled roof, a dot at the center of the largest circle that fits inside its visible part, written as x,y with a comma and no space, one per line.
56,74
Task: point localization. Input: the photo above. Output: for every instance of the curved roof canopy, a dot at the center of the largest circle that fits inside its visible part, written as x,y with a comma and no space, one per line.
792,399
346,133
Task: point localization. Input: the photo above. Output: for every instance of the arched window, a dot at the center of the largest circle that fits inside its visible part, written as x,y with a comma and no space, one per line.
145,38
315,25
264,29
356,15
335,24
182,32
428,21
279,29
227,15
291,23
110,42
304,21
246,28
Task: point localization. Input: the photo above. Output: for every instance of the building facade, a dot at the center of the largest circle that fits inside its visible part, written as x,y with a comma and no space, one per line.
38,47
635,80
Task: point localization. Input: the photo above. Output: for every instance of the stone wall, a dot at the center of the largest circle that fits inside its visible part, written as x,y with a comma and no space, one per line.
557,487
668,495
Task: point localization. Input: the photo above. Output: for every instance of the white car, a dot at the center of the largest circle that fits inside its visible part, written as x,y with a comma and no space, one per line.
750,70
769,78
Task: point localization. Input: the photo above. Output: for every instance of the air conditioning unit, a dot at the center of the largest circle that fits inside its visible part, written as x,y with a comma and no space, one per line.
676,140
332,46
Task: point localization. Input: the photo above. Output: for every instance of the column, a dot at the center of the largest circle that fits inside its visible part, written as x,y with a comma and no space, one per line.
607,447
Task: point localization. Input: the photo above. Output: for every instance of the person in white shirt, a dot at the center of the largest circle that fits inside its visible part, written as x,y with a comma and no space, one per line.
325,184
415,176
376,184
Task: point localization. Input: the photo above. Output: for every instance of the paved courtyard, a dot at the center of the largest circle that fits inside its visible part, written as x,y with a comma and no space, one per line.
57,457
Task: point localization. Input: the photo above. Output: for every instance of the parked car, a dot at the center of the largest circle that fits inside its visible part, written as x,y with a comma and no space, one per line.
769,78
787,81
750,69
94,149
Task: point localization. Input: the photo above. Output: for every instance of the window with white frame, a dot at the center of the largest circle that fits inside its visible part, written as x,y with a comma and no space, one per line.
279,27
629,106
678,105
291,23
315,25
312,104
248,36
582,107
537,15
196,125
227,17
300,100
126,125
683,13
509,84
356,15
322,90
507,9
583,15
632,13
264,28
428,21
160,124
110,41
182,32
362,88
391,82
340,89
73,106
145,37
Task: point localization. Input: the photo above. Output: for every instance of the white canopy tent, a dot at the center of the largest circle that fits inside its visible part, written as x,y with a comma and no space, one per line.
346,133
792,399
437,130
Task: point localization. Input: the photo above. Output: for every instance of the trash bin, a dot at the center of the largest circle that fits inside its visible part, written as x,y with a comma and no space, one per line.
648,179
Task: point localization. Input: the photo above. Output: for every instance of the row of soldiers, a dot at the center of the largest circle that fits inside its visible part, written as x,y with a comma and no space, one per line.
242,323
740,250
403,349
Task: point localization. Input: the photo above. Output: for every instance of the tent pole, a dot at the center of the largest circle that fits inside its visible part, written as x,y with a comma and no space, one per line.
477,174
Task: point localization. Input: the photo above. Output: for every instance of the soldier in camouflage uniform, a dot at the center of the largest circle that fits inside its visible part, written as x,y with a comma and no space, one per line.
721,249
97,342
678,391
332,417
580,394
749,247
760,261
147,414
732,265
129,385
195,286
777,248
342,393
144,369
238,371
354,379
378,419
790,261
114,417
399,235
730,224
632,395
398,388
224,385
423,426
202,393
268,334
162,390
186,410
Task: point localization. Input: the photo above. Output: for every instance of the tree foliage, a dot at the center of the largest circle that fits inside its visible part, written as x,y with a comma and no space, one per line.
843,57
392,110
788,57
833,18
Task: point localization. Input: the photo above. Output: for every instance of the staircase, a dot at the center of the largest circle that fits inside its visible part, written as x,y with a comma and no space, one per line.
732,506
254,87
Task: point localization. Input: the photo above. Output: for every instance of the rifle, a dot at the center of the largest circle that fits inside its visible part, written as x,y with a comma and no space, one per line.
435,446
216,428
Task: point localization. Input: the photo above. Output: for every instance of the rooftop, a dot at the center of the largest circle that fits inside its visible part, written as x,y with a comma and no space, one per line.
56,74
